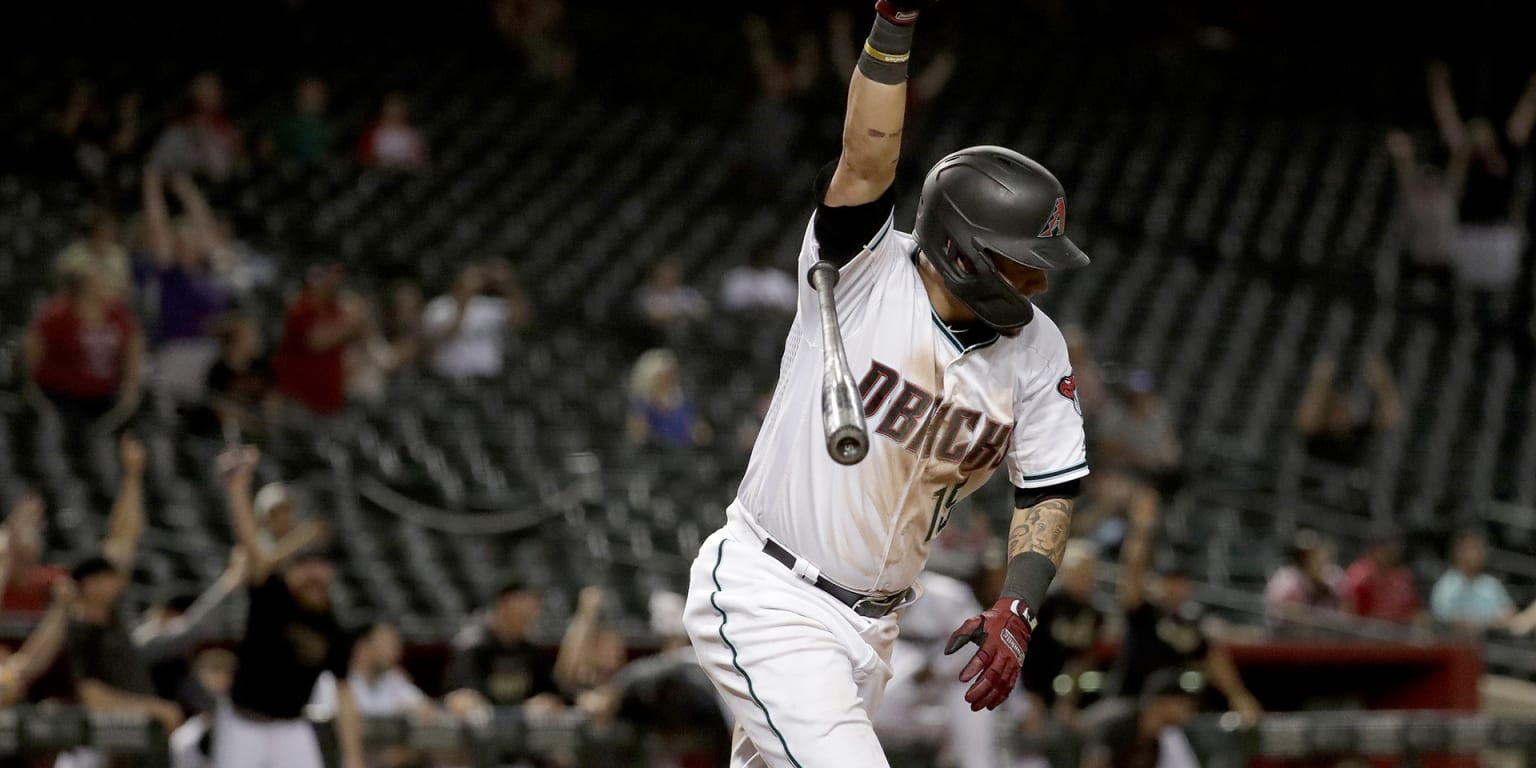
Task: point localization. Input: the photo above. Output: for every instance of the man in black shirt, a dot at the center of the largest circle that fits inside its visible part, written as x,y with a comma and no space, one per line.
109,674
291,636
1063,643
495,665
1127,733
1162,625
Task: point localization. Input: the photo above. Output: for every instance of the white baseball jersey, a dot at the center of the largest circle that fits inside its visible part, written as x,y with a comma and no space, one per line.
945,408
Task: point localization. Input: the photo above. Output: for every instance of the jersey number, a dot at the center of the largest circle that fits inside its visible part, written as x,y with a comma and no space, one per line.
944,500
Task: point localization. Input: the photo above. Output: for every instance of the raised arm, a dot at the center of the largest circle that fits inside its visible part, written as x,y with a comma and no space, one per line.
1136,551
157,217
1523,117
1442,101
1389,405
40,649
877,103
238,466
127,522
1309,414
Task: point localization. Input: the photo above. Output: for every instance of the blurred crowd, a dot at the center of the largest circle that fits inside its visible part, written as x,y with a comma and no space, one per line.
154,297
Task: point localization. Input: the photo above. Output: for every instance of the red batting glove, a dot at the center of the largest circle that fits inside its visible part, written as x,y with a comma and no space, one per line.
902,12
1002,634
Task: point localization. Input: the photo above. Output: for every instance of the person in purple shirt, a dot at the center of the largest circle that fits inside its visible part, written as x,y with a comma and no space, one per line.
179,283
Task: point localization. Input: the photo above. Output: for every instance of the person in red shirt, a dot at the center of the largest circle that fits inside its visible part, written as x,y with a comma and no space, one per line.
28,581
1378,585
83,352
316,329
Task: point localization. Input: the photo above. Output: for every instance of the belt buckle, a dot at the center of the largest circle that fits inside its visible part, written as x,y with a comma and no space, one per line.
876,607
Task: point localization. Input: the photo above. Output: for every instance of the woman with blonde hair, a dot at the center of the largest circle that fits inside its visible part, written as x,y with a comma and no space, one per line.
661,413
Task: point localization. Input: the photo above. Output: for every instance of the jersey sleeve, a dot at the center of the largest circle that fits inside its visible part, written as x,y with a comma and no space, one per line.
1048,446
860,278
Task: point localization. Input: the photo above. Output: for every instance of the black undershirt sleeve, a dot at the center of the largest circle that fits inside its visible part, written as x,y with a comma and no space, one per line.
843,231
1024,498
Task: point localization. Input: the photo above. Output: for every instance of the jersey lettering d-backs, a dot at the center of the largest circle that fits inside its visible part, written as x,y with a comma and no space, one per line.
945,407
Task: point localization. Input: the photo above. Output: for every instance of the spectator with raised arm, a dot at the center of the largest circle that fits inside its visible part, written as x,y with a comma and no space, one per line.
29,583
169,637
291,637
1163,625
467,329
1428,198
110,672
188,296
1334,426
41,648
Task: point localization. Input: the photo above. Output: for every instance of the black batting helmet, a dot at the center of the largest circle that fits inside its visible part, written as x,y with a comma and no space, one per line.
985,201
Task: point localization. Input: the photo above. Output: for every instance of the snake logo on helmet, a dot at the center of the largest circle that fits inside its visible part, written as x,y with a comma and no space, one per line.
988,201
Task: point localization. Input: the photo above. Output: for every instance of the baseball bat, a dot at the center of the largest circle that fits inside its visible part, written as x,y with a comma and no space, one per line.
842,410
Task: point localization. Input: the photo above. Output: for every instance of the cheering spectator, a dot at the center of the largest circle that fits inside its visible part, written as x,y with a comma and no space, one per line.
1428,198
758,284
665,303
239,383
589,652
1063,643
1135,733
1162,626
496,665
1136,434
169,636
201,140
29,583
316,329
98,251
1309,582
661,413
303,135
110,672
1333,428
41,648
392,142
466,329
189,297
1487,159
83,352
1378,585
291,636
1469,599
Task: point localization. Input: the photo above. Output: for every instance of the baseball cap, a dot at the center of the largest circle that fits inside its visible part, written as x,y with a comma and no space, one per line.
270,497
94,565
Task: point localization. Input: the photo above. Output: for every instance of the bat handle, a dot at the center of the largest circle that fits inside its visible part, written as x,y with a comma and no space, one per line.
842,409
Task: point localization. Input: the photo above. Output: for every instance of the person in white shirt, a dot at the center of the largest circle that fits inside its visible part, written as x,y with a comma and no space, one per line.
465,329
758,285
381,687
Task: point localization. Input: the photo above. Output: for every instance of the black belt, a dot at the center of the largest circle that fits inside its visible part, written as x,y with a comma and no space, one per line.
868,606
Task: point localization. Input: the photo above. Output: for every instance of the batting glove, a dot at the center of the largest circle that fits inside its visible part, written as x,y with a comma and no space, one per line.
1002,636
902,12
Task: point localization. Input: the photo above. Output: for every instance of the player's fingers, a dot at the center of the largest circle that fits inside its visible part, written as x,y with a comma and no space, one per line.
967,633
974,667
979,693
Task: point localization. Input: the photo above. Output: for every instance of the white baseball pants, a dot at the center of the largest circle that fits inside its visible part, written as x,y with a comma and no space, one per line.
802,673
242,743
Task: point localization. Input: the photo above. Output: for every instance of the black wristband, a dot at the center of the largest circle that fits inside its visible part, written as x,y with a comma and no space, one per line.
884,59
1029,576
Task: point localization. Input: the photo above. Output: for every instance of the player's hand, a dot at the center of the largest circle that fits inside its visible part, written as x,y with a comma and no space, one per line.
1002,636
901,11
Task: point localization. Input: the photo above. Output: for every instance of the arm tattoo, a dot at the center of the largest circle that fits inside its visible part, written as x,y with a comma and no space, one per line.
875,133
1041,528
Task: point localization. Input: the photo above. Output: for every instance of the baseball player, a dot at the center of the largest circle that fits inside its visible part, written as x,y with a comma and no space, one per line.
793,604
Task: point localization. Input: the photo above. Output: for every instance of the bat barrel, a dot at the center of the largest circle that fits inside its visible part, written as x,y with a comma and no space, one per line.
842,410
